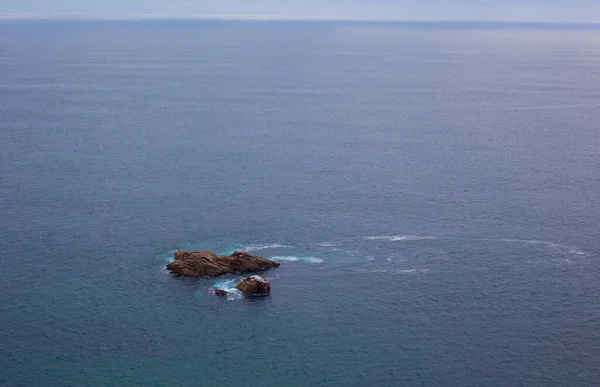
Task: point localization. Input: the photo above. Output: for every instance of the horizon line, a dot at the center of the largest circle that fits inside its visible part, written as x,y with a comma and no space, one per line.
201,17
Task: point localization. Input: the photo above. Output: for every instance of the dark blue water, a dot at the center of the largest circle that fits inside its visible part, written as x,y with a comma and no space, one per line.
433,194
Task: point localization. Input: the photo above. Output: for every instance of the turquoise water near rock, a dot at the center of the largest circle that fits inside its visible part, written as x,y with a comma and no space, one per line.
431,192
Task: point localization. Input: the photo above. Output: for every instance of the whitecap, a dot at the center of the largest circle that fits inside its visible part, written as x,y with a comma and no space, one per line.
294,259
397,238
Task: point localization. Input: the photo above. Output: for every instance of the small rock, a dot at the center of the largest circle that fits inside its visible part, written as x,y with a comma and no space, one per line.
221,292
254,286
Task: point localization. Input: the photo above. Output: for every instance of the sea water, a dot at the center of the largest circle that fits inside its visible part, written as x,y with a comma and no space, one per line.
432,192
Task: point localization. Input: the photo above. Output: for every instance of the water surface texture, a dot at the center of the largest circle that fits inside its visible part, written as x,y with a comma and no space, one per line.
431,192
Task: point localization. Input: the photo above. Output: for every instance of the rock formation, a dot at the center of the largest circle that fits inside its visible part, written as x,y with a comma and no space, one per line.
207,264
254,286
221,292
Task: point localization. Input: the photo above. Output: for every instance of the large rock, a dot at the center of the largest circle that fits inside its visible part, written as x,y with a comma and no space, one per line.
207,264
254,286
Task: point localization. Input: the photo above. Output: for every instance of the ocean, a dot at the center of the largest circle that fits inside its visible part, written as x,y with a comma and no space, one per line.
432,191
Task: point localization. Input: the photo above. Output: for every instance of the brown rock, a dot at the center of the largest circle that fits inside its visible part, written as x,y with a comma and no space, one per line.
254,286
221,292
207,264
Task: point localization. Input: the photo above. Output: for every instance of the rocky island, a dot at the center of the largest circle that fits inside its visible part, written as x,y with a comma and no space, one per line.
208,264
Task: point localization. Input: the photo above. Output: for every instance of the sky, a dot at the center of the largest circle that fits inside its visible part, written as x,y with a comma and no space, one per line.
572,11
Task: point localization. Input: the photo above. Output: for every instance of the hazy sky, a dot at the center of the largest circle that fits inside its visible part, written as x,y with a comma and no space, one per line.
528,10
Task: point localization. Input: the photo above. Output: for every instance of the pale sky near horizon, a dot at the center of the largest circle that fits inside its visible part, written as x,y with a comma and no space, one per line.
576,11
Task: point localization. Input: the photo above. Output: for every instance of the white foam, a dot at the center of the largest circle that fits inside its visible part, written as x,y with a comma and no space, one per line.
312,260
229,287
294,259
264,247
225,284
397,238
164,270
553,245
325,244
285,258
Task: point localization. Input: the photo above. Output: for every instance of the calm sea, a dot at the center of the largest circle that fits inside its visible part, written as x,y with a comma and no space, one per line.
433,192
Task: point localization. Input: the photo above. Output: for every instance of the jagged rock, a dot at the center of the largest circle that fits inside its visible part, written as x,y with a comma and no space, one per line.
221,292
254,286
208,264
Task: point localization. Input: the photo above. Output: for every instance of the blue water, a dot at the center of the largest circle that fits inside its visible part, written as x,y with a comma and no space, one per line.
431,192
